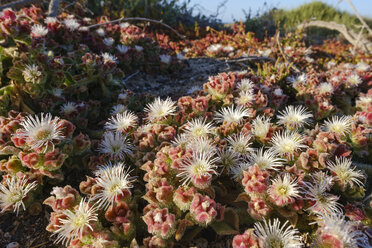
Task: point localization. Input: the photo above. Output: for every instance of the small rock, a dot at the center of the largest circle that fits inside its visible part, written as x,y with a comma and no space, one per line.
13,245
7,235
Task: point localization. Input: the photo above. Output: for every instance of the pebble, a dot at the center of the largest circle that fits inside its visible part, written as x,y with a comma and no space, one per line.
13,245
7,235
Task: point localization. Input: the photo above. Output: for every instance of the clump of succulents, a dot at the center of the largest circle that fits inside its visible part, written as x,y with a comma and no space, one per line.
275,157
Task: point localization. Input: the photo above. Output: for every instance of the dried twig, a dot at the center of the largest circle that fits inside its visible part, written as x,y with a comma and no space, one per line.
249,58
349,35
138,19
285,56
53,8
365,25
17,4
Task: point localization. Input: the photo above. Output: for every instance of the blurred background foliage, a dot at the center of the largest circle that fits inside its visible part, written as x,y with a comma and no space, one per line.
189,19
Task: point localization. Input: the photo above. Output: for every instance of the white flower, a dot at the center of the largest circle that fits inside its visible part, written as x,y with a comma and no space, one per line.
109,58
181,140
41,132
101,32
349,66
38,31
309,59
322,202
122,48
118,109
180,56
214,48
283,190
50,20
75,222
276,236
286,144
278,91
228,49
231,115
57,92
264,53
344,231
325,88
237,170
246,85
138,48
198,127
331,64
345,173
363,67
12,195
71,24
87,19
160,109
122,121
239,143
297,81
261,126
354,80
293,117
227,158
266,160
201,145
166,59
108,41
113,181
245,97
124,25
364,100
115,145
339,125
31,73
69,108
199,166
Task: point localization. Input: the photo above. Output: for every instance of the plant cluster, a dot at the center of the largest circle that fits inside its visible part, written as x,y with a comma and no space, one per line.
269,156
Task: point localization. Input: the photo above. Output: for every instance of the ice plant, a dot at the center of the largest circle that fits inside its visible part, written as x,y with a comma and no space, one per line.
261,127
114,183
345,174
240,144
276,236
38,31
115,145
71,24
160,109
339,125
109,58
31,73
13,193
294,117
41,132
335,231
237,170
354,80
286,144
320,201
231,115
265,159
245,85
198,127
121,122
245,98
198,170
73,223
325,88
69,108
202,145
118,109
283,190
